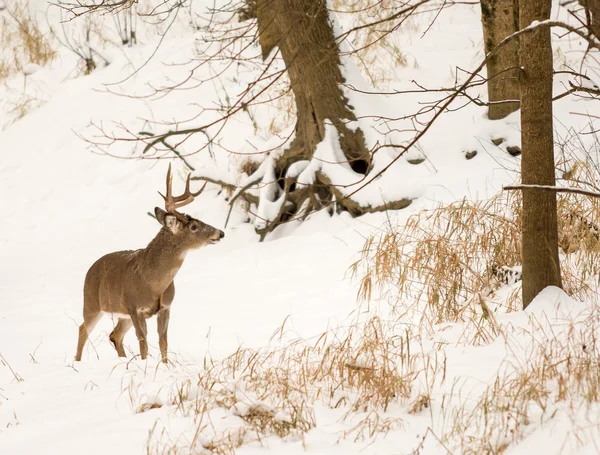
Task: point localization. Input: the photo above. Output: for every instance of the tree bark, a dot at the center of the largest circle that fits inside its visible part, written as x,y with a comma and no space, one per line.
500,18
541,266
593,9
302,32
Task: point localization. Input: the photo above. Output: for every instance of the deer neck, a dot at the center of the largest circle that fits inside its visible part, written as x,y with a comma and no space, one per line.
161,260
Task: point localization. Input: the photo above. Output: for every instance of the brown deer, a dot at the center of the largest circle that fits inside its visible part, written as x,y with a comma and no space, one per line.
135,285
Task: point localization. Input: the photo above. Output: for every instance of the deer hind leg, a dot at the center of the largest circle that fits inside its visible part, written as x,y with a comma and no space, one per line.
89,322
117,335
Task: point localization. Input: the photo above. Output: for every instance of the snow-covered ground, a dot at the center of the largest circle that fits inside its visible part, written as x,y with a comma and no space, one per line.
64,204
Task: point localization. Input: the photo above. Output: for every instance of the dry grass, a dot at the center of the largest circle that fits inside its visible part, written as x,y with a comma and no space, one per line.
377,51
551,371
443,267
362,370
249,166
22,40
444,259
359,370
557,378
18,105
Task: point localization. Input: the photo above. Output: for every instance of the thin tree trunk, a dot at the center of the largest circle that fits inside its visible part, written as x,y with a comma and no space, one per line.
500,18
541,266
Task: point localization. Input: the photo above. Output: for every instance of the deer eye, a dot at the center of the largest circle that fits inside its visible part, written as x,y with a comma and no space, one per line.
194,227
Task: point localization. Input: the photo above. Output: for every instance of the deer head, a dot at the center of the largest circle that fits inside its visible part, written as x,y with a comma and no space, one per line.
188,232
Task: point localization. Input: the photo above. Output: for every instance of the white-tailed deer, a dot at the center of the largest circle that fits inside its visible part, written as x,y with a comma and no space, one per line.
135,285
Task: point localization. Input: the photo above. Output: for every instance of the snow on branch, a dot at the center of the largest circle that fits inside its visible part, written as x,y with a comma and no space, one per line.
557,189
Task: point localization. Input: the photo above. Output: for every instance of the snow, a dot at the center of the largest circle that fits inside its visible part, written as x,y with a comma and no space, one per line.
65,204
31,68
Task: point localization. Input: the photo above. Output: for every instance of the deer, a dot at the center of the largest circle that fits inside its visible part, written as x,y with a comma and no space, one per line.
136,285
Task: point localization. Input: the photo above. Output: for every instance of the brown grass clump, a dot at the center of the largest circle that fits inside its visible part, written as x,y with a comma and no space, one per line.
20,106
23,41
442,258
249,166
361,370
147,407
445,258
557,378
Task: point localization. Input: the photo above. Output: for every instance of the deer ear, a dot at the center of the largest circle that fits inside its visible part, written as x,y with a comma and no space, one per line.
167,220
171,223
160,215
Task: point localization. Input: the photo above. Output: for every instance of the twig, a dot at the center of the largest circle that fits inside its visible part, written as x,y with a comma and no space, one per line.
163,140
238,194
5,362
230,186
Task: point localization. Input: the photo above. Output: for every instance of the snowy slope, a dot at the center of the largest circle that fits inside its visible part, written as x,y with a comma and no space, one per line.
64,205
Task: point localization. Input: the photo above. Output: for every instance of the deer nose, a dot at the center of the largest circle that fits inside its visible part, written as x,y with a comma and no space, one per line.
221,235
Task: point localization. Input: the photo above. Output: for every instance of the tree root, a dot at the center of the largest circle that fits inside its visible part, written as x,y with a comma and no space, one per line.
303,201
353,207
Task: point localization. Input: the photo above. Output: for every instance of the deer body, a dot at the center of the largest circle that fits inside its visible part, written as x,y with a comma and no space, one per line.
135,285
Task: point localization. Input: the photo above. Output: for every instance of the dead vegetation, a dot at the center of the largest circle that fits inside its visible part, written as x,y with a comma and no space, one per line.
550,372
358,370
446,263
23,42
557,379
377,50
443,259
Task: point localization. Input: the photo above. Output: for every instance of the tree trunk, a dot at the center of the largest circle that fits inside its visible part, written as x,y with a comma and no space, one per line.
500,18
541,267
593,9
302,32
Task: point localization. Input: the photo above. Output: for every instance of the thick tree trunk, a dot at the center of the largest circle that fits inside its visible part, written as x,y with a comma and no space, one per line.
303,33
541,266
500,18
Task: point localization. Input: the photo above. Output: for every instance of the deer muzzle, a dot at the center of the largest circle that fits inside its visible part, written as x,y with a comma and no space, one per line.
217,235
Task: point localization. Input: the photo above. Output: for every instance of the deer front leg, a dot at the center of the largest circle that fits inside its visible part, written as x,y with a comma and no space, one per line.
141,331
163,325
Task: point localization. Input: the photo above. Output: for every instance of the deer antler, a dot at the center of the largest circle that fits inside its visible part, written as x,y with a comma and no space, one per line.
172,203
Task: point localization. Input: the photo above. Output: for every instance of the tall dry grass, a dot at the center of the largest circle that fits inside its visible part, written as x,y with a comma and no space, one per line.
22,39
550,378
359,370
442,260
